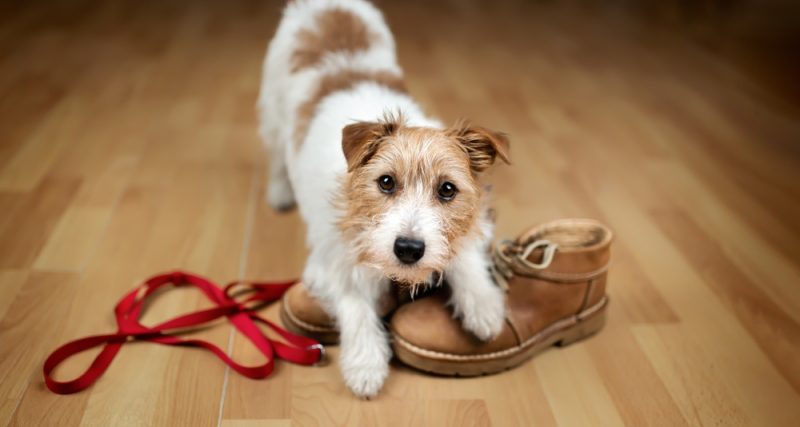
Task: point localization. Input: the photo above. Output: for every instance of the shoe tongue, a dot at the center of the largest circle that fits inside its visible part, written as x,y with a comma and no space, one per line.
527,236
582,245
568,234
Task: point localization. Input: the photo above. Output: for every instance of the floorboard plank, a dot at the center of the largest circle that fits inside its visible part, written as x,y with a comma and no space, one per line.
129,145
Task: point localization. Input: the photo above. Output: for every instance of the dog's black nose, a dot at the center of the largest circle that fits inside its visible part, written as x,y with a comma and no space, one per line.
409,251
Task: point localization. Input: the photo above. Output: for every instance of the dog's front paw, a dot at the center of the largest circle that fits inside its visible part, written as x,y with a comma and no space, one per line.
366,381
365,365
486,320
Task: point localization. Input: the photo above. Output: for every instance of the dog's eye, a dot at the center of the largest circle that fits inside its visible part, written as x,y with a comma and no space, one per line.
447,191
386,184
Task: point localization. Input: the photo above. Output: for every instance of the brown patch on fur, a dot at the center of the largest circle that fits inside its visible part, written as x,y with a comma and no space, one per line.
335,30
482,145
341,81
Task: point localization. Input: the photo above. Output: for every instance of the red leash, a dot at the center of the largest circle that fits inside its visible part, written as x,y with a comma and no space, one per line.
297,349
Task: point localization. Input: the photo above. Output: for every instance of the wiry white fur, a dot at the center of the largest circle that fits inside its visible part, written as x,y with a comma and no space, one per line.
311,177
481,307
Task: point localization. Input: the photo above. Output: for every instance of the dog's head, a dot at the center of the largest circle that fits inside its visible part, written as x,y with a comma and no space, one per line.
411,192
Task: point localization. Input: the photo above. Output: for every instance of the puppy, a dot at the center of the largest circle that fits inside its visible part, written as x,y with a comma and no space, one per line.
388,193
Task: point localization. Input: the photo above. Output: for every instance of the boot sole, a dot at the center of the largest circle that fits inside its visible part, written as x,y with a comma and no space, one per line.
324,334
560,333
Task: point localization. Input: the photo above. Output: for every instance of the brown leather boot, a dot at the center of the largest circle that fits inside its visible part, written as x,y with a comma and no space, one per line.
555,281
302,314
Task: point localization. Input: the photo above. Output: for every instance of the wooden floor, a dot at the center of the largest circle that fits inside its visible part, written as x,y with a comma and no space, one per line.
128,146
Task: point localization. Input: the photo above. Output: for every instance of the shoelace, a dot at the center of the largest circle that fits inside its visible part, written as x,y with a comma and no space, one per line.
507,251
296,349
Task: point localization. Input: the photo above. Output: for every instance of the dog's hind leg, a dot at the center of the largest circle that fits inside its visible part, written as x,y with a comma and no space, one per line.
279,192
274,118
271,110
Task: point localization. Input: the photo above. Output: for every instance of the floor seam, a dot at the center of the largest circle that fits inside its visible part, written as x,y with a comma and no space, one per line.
245,252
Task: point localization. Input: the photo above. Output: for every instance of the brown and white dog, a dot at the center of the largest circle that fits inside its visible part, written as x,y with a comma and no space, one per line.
387,192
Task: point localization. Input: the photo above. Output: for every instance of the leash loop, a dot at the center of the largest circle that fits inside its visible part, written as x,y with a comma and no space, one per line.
239,311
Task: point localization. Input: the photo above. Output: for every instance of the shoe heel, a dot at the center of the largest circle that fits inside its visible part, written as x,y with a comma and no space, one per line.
583,329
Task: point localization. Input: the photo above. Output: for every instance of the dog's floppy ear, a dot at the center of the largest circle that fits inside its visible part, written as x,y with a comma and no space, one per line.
360,140
482,145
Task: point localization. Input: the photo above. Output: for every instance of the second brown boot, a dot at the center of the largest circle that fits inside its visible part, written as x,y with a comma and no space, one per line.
302,314
555,281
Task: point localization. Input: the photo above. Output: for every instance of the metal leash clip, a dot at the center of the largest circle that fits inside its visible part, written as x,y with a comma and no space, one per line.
323,355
